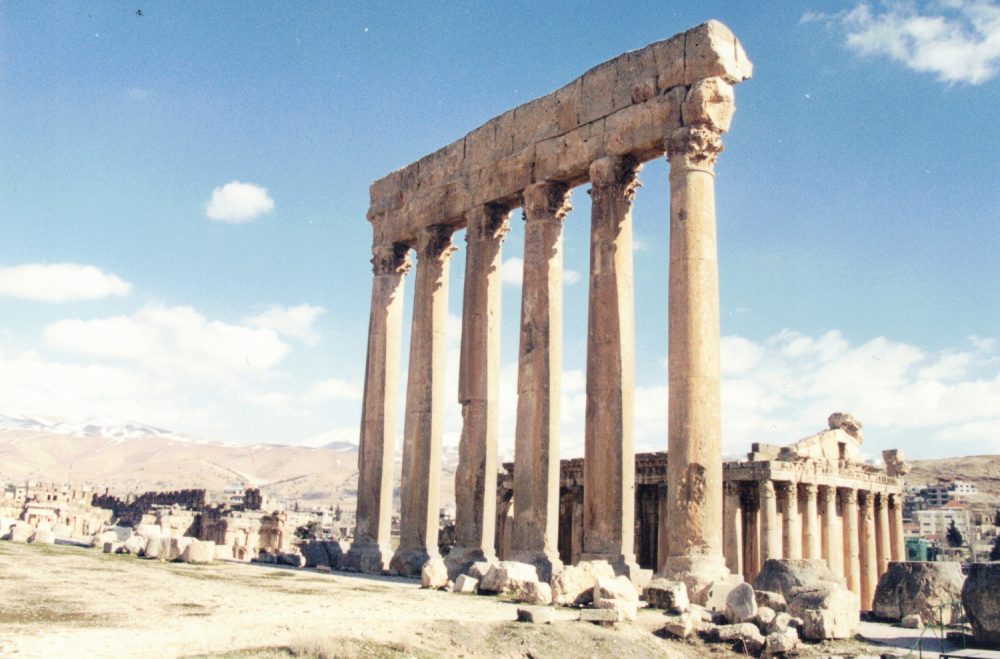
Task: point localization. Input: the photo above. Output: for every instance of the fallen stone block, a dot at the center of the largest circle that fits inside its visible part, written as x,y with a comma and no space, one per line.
99,539
534,592
599,616
765,616
325,569
289,558
153,547
982,605
434,574
741,605
536,616
112,547
625,611
465,584
770,599
574,584
173,548
223,552
785,574
199,551
827,611
680,626
745,637
479,569
781,643
616,588
667,595
507,577
135,545
912,621
923,588
43,537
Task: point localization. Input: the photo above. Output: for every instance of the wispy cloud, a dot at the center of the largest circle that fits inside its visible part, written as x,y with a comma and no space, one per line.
60,282
957,40
512,273
237,202
296,322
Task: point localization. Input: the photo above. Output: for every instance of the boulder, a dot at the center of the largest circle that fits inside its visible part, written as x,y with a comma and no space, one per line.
43,537
122,533
507,577
135,545
780,623
171,549
912,621
223,552
536,616
781,575
741,605
199,551
681,626
745,637
105,536
153,547
465,584
923,588
534,592
63,531
599,616
5,524
770,599
322,552
111,547
434,574
827,610
479,569
780,643
764,618
625,610
289,558
265,557
574,584
670,596
21,532
982,605
615,588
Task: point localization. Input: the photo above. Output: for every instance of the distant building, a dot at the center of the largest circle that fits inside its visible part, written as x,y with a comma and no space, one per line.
930,497
934,523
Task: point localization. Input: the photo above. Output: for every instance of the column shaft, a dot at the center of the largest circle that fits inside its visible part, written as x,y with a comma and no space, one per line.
370,550
609,455
869,562
750,504
852,542
732,530
882,541
898,542
791,527
478,391
833,539
535,535
421,476
694,470
811,532
770,530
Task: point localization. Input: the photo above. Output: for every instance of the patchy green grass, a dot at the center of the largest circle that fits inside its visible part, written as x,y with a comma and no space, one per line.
331,648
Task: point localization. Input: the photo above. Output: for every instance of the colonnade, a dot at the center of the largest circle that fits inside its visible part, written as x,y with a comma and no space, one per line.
856,531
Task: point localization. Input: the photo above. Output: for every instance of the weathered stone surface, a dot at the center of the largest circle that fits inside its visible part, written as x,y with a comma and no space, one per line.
668,595
681,626
112,547
507,577
199,551
574,584
781,643
100,538
534,592
224,552
136,544
616,588
465,584
625,610
43,537
434,574
981,603
289,558
921,588
536,616
709,103
827,610
153,547
711,50
784,575
599,616
479,569
173,548
770,599
779,623
764,618
741,606
912,621
744,636
21,532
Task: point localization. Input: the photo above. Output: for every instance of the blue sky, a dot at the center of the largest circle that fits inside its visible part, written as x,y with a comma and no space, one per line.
183,198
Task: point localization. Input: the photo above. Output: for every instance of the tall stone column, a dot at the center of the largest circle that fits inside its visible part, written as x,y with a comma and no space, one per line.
421,477
750,504
897,543
732,529
694,470
791,527
370,551
869,564
609,455
811,532
535,537
882,542
770,528
833,539
852,541
478,391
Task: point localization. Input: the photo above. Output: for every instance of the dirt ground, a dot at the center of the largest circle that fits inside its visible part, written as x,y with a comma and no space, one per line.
63,601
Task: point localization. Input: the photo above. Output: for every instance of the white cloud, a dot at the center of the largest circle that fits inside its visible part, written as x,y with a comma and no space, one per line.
570,277
172,339
334,389
237,202
296,322
59,282
512,273
957,40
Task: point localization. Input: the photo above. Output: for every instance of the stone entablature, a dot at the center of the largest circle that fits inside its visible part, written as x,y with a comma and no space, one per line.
625,106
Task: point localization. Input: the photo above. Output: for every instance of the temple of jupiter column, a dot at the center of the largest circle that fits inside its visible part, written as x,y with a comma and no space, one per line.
791,522
478,385
536,440
810,529
852,540
421,476
869,562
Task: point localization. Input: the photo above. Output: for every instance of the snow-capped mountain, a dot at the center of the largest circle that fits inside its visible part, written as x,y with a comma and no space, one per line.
106,427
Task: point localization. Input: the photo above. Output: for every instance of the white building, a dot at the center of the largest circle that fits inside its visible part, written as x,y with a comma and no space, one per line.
934,523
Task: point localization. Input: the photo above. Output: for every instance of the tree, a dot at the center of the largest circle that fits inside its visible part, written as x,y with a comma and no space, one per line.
995,550
954,536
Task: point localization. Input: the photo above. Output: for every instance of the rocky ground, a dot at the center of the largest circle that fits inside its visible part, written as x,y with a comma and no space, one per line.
67,601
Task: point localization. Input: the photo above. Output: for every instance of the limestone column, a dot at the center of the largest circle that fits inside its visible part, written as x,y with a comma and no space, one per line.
869,563
732,529
897,544
609,455
750,504
791,527
833,539
535,537
811,533
421,478
770,529
694,470
370,551
882,542
478,391
852,541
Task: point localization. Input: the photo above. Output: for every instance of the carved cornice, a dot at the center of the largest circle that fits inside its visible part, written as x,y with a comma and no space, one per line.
391,259
489,222
615,177
693,147
434,242
546,200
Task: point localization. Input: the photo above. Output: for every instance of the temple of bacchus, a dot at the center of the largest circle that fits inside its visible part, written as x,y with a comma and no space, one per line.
672,98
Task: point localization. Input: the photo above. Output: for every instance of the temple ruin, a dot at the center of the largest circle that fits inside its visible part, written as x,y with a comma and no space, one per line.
673,97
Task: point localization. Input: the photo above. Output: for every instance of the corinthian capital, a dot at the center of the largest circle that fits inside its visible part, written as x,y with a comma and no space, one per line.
390,258
434,242
614,176
488,222
693,147
546,200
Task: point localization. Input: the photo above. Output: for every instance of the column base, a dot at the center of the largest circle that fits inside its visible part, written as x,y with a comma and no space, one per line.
407,562
624,565
545,564
460,559
707,578
365,557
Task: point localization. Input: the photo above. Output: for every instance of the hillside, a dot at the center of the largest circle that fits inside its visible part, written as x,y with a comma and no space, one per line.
984,470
